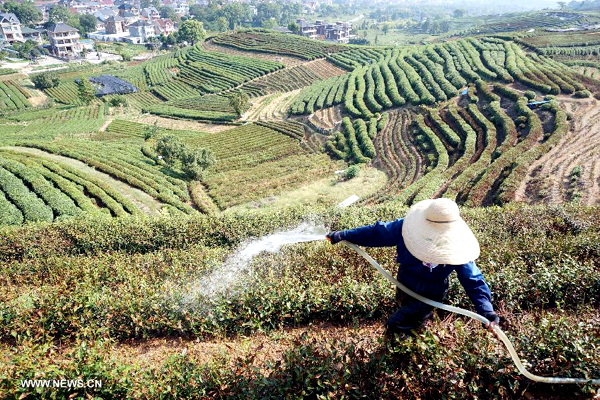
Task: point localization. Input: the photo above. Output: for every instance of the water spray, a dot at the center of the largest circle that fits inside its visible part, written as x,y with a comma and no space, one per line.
499,333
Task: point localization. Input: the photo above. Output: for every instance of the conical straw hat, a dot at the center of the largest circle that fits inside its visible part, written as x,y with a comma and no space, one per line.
434,232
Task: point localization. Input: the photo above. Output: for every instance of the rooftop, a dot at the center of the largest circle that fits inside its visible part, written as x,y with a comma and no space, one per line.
61,27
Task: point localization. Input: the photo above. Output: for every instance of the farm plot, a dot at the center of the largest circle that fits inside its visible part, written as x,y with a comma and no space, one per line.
195,72
434,74
204,108
270,42
303,310
478,155
272,107
294,78
288,61
122,159
13,96
257,161
38,186
570,171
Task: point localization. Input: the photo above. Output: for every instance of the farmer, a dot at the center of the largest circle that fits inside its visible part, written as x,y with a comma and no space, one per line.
431,241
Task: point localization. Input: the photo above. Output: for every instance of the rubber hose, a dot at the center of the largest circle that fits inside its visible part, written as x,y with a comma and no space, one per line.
475,316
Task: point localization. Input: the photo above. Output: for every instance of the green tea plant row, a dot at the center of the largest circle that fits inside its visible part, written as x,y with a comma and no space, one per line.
270,42
354,58
475,155
65,92
314,283
435,73
322,94
125,163
527,21
353,143
290,128
66,190
208,108
12,97
257,160
293,78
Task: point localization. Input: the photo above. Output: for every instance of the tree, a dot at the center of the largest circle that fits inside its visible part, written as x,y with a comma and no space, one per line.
86,91
459,13
562,4
118,101
28,50
269,23
45,81
167,12
386,28
87,22
294,27
191,31
59,14
195,161
239,102
170,149
150,131
235,13
222,24
26,11
267,12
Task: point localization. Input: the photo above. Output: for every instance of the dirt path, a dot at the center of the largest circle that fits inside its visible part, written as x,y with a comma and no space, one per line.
326,118
146,203
105,125
270,107
182,124
548,179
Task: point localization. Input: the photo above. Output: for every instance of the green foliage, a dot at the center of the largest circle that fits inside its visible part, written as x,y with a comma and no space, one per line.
86,91
170,148
118,101
191,31
582,94
45,81
352,172
530,94
239,102
194,162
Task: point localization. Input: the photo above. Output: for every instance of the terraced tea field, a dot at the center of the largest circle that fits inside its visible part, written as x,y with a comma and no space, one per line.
122,215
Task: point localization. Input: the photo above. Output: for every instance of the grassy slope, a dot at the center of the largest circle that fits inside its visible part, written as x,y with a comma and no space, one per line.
319,306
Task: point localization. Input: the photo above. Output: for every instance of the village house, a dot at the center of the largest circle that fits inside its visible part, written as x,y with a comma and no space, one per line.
10,28
64,41
140,31
150,13
114,25
32,34
164,26
339,32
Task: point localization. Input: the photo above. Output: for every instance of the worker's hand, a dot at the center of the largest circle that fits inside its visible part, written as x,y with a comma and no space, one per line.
494,321
334,237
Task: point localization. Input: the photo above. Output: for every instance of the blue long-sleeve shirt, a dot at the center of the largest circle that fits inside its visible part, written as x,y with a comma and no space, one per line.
413,273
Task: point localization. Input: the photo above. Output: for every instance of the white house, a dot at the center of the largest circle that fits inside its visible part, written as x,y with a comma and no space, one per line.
10,28
64,41
140,31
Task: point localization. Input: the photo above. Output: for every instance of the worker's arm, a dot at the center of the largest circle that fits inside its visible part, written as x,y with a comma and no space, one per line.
380,234
478,291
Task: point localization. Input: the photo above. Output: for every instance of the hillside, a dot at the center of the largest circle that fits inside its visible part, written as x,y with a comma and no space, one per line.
123,308
121,214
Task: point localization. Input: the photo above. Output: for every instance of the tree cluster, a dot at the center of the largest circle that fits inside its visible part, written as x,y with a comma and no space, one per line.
193,162
45,81
221,16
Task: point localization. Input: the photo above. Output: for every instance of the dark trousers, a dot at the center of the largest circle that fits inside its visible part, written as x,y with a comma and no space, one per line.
412,312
